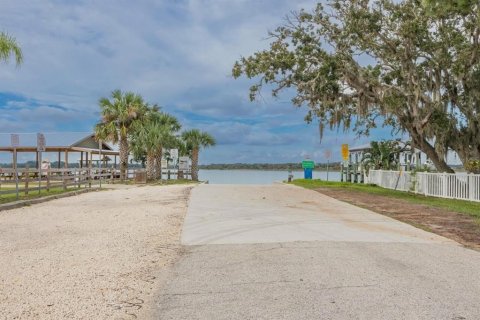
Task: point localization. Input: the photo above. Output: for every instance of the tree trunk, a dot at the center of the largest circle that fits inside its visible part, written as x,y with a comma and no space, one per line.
158,165
150,166
123,157
466,153
440,163
195,164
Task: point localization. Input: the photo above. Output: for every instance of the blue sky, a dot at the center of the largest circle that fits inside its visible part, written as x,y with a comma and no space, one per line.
178,54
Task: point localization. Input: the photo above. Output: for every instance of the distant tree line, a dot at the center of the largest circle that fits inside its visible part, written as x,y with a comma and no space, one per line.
266,166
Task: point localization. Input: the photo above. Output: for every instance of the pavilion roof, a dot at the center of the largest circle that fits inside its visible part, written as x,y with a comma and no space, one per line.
59,141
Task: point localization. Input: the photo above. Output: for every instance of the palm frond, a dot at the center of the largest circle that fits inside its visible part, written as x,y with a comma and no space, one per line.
8,47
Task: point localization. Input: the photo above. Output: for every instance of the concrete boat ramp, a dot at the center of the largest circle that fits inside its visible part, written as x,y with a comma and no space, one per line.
283,252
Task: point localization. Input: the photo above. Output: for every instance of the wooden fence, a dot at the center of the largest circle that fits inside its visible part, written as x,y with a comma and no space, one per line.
31,180
444,185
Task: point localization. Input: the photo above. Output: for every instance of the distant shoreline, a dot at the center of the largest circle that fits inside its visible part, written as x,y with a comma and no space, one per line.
261,169
294,166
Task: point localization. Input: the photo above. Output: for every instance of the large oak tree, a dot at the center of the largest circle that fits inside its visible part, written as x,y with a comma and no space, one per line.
355,63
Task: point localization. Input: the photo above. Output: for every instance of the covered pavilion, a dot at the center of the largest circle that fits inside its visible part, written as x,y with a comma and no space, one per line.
62,143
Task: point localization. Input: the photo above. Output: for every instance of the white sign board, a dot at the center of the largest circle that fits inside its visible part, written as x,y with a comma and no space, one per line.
15,140
41,142
328,154
164,164
184,163
174,153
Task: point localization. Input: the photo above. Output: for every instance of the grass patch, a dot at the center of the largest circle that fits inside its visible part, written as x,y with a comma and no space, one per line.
172,182
466,207
33,194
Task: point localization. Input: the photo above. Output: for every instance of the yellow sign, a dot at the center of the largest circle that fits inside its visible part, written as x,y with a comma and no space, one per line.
345,152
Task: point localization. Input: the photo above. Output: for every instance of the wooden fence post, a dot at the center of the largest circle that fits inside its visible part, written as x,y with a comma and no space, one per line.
27,177
48,179
89,177
64,181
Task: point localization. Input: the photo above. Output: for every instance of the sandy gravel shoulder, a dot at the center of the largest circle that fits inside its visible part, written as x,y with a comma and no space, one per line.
94,256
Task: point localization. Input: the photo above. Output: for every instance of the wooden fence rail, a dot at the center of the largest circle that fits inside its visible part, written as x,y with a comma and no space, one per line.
28,180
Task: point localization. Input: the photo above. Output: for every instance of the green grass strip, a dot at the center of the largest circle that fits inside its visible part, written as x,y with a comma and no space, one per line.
470,208
33,194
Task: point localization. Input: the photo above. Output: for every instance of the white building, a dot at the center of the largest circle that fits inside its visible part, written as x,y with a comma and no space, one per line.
408,159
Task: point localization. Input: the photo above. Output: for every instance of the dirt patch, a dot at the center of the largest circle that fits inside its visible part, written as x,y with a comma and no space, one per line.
452,225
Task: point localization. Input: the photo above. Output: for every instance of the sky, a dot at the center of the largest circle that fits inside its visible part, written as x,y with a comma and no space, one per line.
176,53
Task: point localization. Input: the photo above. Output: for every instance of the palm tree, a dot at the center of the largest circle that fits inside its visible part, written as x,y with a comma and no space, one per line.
9,46
383,155
196,139
170,126
150,136
118,117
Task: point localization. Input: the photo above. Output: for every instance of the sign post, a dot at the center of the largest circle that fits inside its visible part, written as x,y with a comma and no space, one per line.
308,166
183,165
174,154
346,165
345,152
15,141
40,148
328,155
174,159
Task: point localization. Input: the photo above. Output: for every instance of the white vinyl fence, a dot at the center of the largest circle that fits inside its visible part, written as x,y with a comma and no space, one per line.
444,185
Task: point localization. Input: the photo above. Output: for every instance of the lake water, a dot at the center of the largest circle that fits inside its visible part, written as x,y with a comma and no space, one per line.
258,176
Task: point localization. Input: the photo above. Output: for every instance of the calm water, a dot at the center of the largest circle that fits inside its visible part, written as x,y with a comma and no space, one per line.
258,176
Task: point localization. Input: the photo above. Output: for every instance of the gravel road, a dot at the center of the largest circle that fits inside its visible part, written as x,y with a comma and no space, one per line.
98,255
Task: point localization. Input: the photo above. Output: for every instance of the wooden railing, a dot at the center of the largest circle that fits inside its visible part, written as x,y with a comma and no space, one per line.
30,180
25,180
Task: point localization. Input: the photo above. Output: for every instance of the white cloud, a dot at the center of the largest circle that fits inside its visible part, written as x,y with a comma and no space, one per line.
176,53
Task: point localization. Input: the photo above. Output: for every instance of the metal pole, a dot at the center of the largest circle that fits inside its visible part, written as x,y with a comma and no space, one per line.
328,162
341,171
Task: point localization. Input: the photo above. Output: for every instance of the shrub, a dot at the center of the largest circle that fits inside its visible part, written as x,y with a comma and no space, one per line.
473,166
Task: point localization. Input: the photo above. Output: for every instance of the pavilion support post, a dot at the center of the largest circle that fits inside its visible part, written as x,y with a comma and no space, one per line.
87,172
81,159
66,160
59,159
90,169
